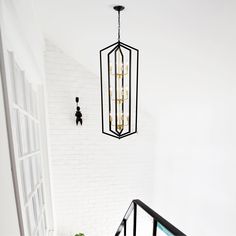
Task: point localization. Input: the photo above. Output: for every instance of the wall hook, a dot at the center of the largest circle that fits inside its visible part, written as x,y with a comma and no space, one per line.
78,113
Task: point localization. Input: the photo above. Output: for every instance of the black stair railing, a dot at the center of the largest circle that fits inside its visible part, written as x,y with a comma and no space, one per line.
160,226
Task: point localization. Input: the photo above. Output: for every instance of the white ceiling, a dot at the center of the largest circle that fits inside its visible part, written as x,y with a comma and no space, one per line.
183,44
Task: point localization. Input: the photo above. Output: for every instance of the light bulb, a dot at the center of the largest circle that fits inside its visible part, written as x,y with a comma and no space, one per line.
110,90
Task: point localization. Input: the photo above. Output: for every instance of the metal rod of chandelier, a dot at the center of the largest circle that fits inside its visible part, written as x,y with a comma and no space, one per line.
119,9
118,26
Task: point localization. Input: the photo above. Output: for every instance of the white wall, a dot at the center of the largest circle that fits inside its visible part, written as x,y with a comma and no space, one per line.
196,129
95,177
23,36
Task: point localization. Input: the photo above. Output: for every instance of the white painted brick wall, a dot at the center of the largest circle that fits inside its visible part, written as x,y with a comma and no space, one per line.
95,176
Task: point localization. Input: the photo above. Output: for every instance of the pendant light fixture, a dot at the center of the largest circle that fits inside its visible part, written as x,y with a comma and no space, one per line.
119,87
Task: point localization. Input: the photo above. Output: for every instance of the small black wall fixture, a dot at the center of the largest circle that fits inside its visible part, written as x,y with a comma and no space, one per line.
119,64
78,113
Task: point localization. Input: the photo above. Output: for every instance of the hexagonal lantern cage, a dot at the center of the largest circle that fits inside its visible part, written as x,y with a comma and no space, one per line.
119,87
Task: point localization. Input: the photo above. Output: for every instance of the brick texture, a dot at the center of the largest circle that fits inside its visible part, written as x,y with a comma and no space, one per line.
94,176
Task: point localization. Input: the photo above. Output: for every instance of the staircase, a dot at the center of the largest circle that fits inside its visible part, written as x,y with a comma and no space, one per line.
141,220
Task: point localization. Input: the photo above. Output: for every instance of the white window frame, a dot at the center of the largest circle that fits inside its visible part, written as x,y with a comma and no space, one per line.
7,57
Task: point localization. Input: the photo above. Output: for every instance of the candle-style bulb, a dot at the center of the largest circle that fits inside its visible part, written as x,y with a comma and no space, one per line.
110,91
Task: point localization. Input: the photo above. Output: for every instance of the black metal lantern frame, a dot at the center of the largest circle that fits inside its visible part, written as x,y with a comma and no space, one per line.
119,87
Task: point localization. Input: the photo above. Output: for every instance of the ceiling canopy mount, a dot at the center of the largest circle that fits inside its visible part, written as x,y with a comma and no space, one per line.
119,8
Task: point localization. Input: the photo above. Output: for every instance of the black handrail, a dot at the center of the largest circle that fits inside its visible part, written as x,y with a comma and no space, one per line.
156,219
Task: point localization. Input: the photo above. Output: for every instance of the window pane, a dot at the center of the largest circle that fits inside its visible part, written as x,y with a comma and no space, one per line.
31,217
26,177
13,89
34,170
43,228
34,104
15,127
44,221
40,230
40,200
39,166
28,94
20,86
31,135
42,194
36,207
37,140
23,133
